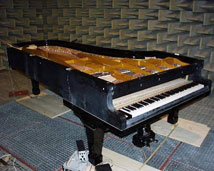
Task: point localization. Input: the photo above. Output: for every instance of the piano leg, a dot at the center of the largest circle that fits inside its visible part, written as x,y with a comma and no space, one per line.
173,116
144,136
35,87
95,138
94,132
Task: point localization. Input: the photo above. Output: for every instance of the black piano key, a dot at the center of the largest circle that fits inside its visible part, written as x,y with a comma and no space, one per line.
171,92
130,107
152,101
160,96
149,101
180,89
126,109
186,87
189,85
137,105
140,104
174,91
193,84
143,103
165,94
155,99
133,106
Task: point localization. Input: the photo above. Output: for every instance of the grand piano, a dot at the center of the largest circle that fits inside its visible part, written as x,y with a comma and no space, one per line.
120,91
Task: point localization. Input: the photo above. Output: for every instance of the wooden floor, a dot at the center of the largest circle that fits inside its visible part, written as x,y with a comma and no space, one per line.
11,81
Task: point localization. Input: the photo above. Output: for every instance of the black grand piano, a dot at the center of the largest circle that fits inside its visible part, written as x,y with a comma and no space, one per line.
149,85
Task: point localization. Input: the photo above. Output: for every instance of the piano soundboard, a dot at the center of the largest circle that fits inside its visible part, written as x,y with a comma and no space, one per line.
113,90
112,69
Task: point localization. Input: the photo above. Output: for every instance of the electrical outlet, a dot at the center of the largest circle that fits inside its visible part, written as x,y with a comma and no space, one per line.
83,157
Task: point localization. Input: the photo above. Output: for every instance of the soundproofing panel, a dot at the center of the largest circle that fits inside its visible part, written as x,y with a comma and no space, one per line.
176,26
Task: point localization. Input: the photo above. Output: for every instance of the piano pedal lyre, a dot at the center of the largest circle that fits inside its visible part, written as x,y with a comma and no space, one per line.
144,136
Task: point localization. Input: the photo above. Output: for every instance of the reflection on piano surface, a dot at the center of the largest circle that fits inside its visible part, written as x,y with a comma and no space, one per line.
112,90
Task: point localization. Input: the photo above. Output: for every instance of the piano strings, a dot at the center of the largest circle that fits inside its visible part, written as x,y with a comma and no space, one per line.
112,69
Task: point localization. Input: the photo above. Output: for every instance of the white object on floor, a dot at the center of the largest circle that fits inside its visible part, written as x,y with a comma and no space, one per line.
187,131
120,162
48,105
75,164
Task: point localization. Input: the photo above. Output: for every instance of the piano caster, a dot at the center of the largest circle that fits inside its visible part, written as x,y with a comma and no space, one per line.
94,159
144,136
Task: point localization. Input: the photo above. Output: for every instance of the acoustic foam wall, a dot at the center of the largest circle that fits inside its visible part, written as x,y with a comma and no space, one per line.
179,26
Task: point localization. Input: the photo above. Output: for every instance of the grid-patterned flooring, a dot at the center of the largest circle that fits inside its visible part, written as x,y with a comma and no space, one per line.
45,144
41,143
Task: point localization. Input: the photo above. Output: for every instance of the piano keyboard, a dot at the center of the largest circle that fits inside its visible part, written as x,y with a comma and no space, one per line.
150,99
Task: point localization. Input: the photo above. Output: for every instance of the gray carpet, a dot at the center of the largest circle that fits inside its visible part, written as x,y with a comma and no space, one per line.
188,157
202,111
13,163
45,144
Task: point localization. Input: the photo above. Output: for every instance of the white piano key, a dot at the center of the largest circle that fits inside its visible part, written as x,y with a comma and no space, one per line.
162,102
134,97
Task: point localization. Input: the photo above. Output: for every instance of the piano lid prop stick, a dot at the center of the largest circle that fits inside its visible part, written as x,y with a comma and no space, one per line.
10,45
175,125
16,47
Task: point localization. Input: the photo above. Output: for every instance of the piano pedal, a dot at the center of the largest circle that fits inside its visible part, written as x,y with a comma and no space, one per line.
144,137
